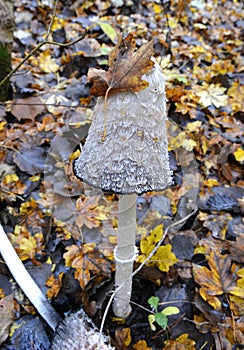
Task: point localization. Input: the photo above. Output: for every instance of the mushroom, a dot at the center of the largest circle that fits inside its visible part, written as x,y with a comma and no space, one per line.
131,159
78,332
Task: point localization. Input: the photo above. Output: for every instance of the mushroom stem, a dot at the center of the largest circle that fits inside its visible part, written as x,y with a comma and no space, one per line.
125,254
25,281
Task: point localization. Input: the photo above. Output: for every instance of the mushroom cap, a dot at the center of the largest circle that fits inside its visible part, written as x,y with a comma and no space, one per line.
77,332
133,157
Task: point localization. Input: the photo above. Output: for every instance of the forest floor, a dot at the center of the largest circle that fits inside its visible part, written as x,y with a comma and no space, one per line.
65,232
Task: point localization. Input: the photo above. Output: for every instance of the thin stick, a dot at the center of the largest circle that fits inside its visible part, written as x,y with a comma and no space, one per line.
52,19
25,281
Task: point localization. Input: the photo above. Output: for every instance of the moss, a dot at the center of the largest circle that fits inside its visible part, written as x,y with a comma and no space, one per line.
5,68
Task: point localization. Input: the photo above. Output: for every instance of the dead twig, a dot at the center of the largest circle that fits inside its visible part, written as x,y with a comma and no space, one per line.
8,76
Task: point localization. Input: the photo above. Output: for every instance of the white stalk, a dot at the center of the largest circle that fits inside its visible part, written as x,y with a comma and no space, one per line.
25,281
125,254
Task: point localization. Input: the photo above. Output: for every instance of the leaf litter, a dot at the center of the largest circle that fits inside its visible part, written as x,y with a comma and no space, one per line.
200,46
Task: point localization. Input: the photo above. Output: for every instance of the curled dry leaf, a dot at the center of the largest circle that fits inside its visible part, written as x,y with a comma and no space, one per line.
127,66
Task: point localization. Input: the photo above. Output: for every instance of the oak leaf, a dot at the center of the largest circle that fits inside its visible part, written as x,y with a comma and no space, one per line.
127,66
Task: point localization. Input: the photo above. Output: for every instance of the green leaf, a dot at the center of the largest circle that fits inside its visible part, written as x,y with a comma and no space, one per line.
108,30
171,310
153,302
161,319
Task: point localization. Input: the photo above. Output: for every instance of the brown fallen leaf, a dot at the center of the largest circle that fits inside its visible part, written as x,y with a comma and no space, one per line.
216,280
181,343
127,67
123,338
87,262
141,345
27,108
6,316
90,213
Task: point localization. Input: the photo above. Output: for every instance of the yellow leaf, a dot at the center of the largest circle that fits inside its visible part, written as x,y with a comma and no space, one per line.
239,289
198,49
27,247
11,178
180,343
2,124
193,126
108,30
55,284
181,140
58,23
171,310
240,281
148,243
211,182
141,345
47,63
35,178
234,92
157,8
218,279
212,300
200,250
189,144
151,320
239,154
163,258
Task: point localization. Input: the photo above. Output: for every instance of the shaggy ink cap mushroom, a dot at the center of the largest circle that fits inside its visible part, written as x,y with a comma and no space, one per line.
133,157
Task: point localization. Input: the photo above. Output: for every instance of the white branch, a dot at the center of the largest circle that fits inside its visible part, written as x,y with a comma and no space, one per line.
25,281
